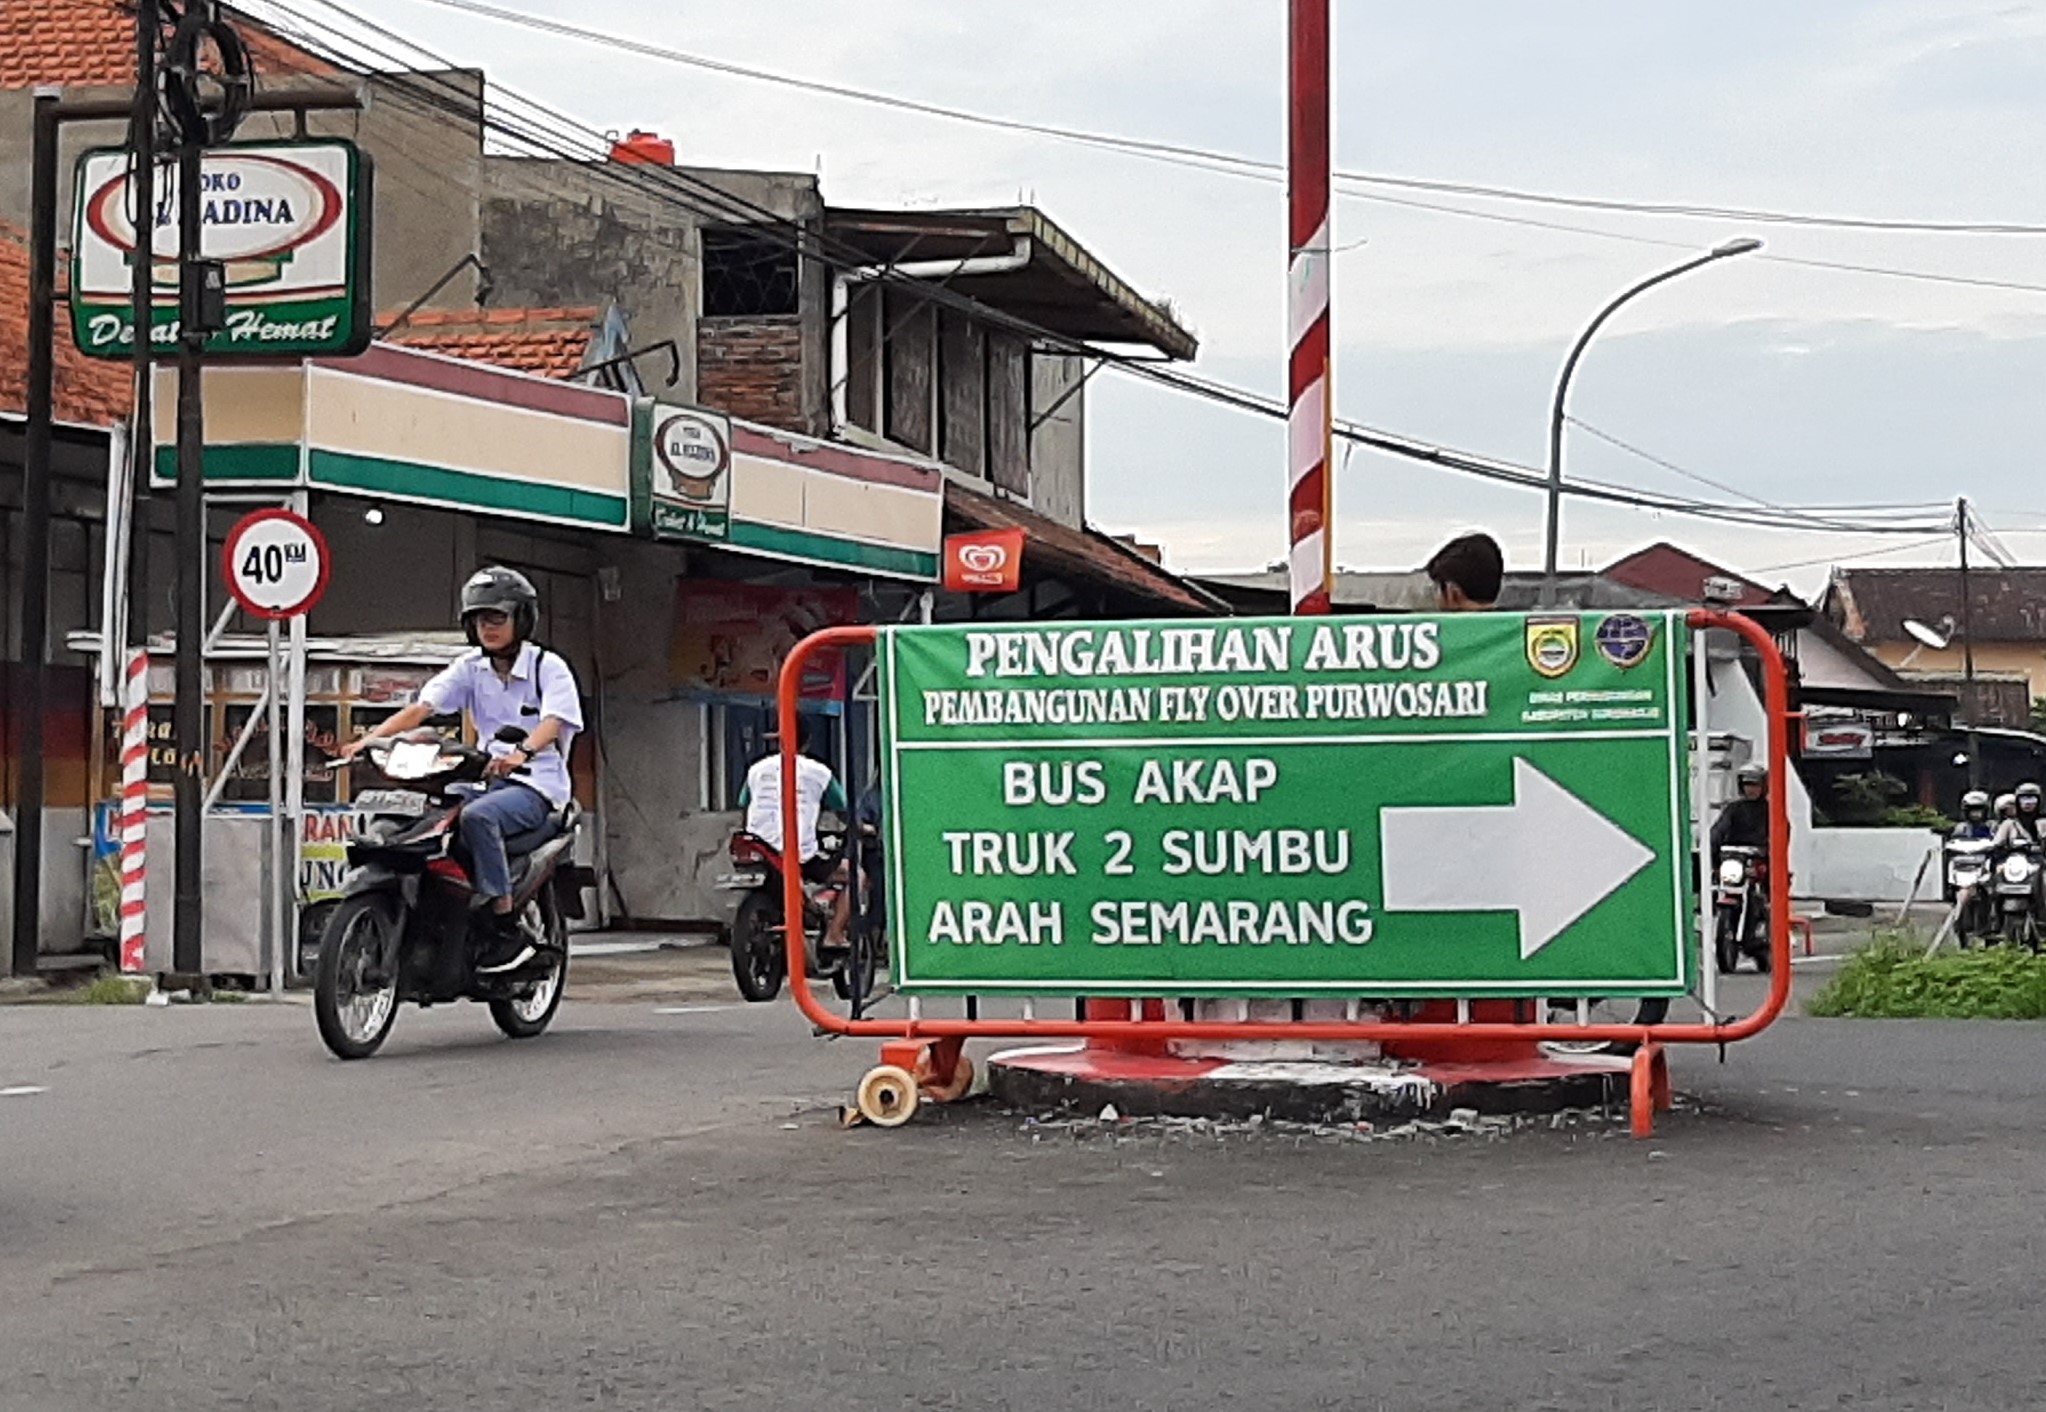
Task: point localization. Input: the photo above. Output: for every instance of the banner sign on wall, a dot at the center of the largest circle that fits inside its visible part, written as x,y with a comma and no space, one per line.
731,638
986,561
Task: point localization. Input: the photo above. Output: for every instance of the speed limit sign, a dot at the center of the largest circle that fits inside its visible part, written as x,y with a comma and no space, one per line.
275,564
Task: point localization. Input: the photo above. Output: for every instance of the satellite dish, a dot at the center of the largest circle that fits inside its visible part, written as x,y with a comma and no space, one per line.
1930,636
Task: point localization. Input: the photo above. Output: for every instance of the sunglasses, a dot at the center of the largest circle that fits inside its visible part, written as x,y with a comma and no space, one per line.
492,618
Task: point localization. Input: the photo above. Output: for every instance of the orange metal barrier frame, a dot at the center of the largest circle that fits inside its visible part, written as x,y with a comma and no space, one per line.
930,1047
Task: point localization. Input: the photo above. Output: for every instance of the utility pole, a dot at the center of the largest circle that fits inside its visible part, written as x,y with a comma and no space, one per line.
142,424
1968,644
35,530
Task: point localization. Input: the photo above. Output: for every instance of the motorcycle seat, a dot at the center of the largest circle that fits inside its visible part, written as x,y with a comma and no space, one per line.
529,841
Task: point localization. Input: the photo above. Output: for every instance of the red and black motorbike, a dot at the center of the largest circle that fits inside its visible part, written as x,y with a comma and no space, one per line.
409,925
759,944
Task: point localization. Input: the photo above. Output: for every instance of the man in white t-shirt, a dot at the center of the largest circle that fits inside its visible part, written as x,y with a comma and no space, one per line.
816,789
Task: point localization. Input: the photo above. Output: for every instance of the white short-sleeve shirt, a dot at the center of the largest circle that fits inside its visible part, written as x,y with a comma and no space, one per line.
540,685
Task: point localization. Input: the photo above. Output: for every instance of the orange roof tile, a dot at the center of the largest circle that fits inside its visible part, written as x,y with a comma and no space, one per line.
550,342
90,391
93,41
85,42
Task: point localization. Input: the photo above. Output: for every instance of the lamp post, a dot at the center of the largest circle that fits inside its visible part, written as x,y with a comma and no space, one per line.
1555,501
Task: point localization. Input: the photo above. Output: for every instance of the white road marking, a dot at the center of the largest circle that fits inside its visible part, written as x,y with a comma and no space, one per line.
694,1009
21,1091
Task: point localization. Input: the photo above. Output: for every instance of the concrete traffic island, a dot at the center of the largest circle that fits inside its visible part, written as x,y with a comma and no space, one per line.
1084,1078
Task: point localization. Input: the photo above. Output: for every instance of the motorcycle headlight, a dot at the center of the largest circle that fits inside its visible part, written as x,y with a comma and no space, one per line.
1732,873
2016,869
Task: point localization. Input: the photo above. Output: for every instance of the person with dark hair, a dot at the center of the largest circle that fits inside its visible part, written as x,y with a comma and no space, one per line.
1466,573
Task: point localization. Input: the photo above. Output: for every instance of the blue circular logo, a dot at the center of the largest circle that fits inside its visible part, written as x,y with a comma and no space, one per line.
1624,639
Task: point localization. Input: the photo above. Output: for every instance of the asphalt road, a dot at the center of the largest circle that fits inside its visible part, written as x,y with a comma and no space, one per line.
657,1210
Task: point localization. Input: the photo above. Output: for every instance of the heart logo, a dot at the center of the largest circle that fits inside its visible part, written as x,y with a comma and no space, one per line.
983,558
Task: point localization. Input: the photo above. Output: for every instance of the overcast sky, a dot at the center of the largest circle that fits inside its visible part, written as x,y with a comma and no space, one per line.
1791,384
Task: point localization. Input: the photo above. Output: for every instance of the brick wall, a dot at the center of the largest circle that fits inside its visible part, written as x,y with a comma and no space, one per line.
753,368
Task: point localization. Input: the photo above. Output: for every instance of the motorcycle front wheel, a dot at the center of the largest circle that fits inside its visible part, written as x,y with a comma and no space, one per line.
759,959
355,982
528,1015
1726,944
853,978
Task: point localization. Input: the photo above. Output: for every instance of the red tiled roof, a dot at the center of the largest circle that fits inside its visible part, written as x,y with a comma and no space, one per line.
550,342
91,391
87,42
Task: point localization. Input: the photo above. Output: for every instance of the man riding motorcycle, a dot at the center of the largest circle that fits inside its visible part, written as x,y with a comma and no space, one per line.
505,679
1744,822
816,789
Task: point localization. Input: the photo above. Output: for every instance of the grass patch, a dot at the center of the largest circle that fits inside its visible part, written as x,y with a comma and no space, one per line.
109,990
1893,979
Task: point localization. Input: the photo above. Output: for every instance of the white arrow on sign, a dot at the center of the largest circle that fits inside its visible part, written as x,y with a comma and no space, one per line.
1548,856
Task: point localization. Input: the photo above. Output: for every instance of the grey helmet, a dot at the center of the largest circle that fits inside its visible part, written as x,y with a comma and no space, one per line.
502,590
1752,774
2028,792
1975,805
2006,805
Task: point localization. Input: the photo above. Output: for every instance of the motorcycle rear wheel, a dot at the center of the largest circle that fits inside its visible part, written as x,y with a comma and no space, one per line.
354,1013
530,1016
854,976
759,959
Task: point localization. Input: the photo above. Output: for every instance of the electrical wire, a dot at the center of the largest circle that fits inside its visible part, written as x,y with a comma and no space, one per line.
704,198
1219,160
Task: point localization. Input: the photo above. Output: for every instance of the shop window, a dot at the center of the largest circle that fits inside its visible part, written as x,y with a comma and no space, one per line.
748,275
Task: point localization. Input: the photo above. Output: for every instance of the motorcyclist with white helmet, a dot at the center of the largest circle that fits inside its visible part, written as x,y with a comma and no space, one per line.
1975,821
2026,826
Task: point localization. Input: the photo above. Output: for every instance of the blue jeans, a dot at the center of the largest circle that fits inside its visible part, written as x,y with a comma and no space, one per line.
504,809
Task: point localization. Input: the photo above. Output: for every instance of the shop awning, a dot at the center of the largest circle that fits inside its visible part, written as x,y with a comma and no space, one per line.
1084,555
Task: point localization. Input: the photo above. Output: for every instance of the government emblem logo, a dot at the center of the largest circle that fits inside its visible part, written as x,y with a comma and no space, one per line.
1551,645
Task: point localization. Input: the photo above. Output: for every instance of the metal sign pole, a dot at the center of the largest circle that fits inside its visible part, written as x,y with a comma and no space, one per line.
275,911
294,761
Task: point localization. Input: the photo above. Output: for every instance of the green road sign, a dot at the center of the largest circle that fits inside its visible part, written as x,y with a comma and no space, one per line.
1479,804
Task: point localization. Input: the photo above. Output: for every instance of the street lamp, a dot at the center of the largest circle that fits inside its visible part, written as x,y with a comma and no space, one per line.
1741,246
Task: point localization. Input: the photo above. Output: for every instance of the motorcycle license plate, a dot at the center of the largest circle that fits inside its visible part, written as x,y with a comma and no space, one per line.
408,802
742,882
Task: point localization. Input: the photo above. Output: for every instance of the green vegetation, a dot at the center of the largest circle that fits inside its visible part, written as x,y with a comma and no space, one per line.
1874,799
1893,979
108,990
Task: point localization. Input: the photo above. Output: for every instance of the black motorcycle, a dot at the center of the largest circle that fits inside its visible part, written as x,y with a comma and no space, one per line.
409,925
759,937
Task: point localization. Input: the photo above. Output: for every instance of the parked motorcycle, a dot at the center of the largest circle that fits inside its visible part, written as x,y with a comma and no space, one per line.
1969,865
1740,906
759,934
408,927
2017,896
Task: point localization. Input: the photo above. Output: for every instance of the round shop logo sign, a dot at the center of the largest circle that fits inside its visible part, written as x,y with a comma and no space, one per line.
983,558
693,450
256,211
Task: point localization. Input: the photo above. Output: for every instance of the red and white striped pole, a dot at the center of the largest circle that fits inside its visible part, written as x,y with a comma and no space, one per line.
134,815
1310,404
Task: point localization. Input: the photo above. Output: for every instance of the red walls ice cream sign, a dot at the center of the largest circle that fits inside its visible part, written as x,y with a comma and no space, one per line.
288,220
